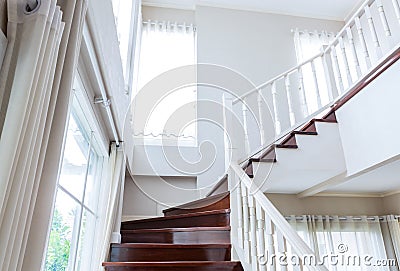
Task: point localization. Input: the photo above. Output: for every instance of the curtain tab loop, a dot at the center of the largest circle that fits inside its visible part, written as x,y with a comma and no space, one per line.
32,6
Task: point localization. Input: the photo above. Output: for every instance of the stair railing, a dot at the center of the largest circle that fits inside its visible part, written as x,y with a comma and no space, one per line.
366,39
261,237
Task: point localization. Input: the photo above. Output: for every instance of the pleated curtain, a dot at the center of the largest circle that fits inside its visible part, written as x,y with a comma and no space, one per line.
378,237
35,82
391,235
109,204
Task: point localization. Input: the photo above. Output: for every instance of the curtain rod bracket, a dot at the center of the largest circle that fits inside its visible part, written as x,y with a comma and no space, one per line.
99,100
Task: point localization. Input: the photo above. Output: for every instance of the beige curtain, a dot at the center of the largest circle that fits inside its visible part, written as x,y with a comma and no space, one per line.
35,81
391,235
356,236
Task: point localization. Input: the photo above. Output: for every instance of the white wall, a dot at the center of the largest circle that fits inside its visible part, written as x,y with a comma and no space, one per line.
153,160
168,14
147,196
370,121
250,48
392,204
257,45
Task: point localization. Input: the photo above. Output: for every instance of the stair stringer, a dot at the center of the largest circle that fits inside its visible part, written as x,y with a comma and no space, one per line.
317,159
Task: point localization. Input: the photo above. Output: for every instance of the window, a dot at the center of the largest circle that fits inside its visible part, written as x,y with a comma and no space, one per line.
165,46
75,213
127,22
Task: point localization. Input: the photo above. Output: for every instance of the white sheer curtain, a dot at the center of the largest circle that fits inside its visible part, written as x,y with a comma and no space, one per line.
166,46
350,236
307,45
391,235
37,74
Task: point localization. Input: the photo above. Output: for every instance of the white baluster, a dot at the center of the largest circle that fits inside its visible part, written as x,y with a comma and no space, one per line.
372,29
289,99
281,242
245,127
278,127
353,51
346,63
302,93
240,213
336,68
253,233
269,240
360,32
315,76
246,233
382,15
261,116
260,238
329,76
396,7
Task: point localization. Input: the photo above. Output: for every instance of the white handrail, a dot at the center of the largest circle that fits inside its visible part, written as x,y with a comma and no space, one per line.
282,75
335,41
297,243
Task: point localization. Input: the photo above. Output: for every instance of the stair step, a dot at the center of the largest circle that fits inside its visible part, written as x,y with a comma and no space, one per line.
172,266
217,218
310,127
291,139
330,116
216,202
282,146
169,252
195,235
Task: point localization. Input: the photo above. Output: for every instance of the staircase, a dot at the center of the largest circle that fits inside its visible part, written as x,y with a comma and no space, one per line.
194,236
201,235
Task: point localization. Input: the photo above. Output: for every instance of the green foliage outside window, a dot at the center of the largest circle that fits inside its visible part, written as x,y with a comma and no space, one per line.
59,244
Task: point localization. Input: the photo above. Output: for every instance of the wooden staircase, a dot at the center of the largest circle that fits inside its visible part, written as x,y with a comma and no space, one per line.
194,236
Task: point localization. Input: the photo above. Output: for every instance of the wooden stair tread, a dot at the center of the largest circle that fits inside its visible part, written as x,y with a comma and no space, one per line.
291,138
145,252
223,211
282,146
199,201
215,202
168,246
226,228
325,120
174,263
304,133
213,218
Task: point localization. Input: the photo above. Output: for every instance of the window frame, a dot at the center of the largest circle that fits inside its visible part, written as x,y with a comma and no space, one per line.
84,116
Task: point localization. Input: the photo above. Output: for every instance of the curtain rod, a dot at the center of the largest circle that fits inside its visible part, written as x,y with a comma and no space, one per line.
312,32
166,22
340,217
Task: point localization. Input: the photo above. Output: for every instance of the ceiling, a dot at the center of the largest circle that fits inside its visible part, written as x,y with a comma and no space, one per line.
335,10
382,180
